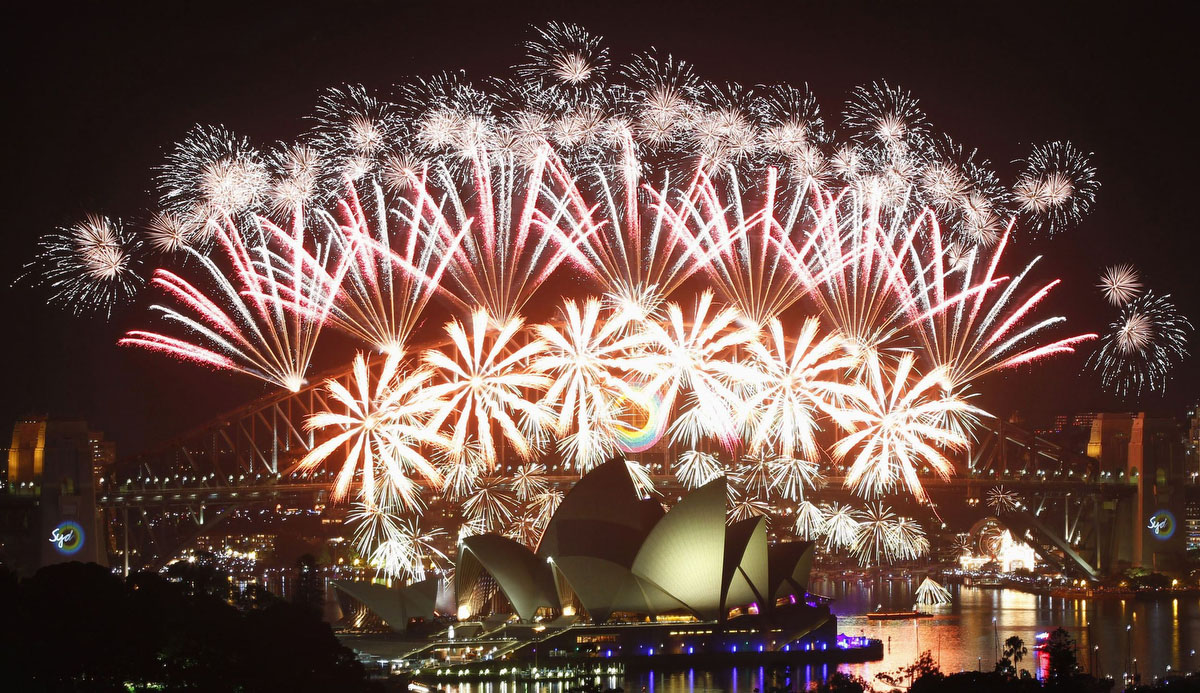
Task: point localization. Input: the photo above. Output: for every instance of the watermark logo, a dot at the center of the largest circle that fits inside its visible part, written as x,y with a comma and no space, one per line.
67,538
1162,525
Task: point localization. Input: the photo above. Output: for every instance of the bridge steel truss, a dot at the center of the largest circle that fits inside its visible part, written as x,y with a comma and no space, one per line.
249,456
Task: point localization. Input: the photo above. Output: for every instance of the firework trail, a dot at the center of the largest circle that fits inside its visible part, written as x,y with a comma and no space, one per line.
973,329
505,234
245,325
637,261
1142,346
370,281
856,263
746,256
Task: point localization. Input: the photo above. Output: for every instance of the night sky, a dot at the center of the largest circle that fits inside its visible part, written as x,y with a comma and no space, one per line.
96,93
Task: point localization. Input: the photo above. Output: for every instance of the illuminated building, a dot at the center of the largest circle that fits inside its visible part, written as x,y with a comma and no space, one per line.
1006,553
48,509
104,452
617,576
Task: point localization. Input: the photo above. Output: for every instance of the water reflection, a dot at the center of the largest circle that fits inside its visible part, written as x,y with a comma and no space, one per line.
1113,637
970,633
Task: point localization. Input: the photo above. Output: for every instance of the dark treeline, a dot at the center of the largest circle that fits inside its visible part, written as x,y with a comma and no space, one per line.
78,627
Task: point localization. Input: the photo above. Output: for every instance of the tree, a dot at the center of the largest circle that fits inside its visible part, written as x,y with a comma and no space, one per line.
78,627
1014,652
1060,651
310,587
842,683
923,667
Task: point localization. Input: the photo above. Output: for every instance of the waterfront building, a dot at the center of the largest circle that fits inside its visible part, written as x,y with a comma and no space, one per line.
617,576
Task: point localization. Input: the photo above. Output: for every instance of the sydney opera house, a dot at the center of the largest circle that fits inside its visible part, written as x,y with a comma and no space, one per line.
617,576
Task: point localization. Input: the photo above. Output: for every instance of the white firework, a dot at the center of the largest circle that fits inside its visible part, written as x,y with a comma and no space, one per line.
1120,284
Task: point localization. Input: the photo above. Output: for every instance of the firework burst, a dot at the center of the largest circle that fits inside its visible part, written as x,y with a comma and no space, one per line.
212,174
90,267
900,429
1058,187
841,525
695,469
796,383
885,538
584,357
1120,284
810,522
696,358
383,420
636,179
1142,346
1002,500
490,508
482,382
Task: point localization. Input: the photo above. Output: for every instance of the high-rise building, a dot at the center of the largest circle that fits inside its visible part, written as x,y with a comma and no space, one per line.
48,508
1193,438
104,452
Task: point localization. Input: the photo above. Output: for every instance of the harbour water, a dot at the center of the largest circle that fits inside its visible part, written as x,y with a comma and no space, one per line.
967,634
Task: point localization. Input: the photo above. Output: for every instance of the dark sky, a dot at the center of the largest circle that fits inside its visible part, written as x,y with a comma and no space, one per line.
96,92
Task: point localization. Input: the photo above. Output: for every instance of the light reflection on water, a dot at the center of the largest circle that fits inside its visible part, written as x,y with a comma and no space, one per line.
964,636
961,636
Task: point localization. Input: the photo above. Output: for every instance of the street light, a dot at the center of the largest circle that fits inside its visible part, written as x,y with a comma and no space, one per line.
996,638
1128,645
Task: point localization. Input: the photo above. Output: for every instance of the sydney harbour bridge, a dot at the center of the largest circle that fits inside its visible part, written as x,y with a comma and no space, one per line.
1081,516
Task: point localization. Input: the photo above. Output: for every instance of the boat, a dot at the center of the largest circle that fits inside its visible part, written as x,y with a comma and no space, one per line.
896,615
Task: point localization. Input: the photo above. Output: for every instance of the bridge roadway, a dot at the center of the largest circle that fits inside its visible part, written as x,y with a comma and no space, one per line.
269,489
